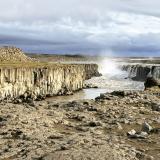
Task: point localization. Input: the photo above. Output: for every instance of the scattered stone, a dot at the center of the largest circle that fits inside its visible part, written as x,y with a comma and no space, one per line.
16,133
118,93
2,119
86,103
156,107
146,127
125,121
55,136
94,124
131,133
18,101
143,134
73,104
80,129
119,126
92,109
104,97
90,85
155,130
134,134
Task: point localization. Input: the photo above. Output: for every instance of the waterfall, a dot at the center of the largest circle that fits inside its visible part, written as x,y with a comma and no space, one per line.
141,72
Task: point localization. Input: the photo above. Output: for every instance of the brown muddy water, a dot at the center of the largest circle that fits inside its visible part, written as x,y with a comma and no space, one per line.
104,85
79,95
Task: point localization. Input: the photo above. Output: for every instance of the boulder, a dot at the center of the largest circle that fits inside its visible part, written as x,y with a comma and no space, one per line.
131,133
146,127
151,82
134,134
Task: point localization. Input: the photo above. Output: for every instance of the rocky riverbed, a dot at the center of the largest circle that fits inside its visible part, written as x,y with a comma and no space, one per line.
121,125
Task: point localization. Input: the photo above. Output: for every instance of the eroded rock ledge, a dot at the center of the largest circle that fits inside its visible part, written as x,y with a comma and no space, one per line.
41,81
140,72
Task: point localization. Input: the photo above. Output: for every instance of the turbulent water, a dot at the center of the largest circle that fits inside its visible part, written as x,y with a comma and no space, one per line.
113,79
115,83
83,94
104,84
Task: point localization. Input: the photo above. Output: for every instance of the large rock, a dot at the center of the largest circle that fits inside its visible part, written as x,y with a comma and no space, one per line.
151,82
146,127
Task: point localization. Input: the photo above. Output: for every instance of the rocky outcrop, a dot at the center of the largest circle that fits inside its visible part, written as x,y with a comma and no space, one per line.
151,82
141,72
91,71
8,54
37,82
122,125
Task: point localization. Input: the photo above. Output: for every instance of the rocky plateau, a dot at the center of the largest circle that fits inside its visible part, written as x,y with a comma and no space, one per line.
121,125
118,125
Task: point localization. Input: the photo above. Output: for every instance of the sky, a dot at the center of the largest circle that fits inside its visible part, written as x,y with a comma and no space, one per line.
91,27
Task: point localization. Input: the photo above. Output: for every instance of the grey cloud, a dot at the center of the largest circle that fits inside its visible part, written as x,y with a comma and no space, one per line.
81,26
15,40
76,9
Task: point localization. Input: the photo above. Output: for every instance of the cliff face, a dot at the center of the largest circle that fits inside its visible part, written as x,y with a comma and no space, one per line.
38,82
141,72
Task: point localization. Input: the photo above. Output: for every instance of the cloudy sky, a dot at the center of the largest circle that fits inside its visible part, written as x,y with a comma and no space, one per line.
105,27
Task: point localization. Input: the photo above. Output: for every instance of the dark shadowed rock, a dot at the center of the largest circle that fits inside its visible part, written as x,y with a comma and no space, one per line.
134,134
156,107
151,82
16,133
146,127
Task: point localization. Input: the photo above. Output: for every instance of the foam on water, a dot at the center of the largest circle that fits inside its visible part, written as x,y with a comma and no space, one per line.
113,79
110,69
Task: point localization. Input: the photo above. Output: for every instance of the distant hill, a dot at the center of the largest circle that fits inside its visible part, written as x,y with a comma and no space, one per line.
63,58
13,54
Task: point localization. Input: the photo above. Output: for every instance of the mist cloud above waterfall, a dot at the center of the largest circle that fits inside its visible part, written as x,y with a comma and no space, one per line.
118,27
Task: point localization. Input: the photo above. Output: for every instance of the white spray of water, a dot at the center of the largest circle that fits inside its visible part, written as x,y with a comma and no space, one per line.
113,77
110,68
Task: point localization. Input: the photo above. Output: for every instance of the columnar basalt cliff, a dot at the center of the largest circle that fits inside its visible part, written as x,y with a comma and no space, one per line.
36,82
141,72
25,77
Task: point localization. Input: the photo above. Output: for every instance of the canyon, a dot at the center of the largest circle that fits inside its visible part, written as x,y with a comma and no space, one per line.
37,80
44,81
120,124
